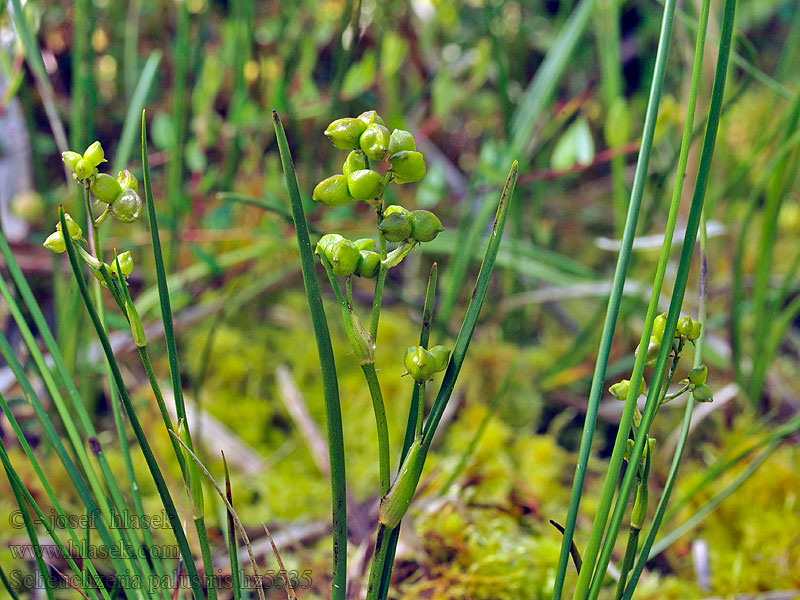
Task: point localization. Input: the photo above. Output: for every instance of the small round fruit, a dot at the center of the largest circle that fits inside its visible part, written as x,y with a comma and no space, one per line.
127,207
332,191
105,188
425,225
365,184
408,166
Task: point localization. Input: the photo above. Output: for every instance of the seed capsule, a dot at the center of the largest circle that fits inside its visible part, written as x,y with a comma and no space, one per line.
344,133
105,188
127,207
340,252
703,393
425,225
400,140
369,117
407,166
70,159
125,264
73,228
374,141
94,154
364,184
659,324
355,161
84,169
332,191
419,363
127,180
368,264
620,389
396,227
697,376
365,244
441,356
395,208
55,242
684,326
697,328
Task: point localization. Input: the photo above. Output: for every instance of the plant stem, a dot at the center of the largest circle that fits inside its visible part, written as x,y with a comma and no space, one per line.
383,429
601,364
676,301
330,383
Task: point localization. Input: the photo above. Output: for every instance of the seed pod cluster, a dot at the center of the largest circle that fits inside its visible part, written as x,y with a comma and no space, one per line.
422,363
399,225
368,139
349,258
119,193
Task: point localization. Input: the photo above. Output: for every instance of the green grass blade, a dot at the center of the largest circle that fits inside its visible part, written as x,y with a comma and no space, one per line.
620,275
330,383
473,311
144,445
679,289
31,531
161,277
543,86
233,547
408,438
135,108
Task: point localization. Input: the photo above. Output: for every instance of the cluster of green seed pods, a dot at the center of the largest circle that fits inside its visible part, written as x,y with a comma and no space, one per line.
368,139
697,384
687,329
399,225
422,363
348,257
120,193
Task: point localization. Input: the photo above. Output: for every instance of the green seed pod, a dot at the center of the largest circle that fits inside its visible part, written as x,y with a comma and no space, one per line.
105,188
355,161
441,356
419,363
125,264
697,376
425,225
396,208
368,264
94,154
369,117
395,503
697,328
395,227
332,191
374,141
70,159
55,242
703,393
659,324
340,252
127,180
365,244
327,242
127,207
620,389
684,326
400,140
84,169
73,228
365,184
344,133
408,166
